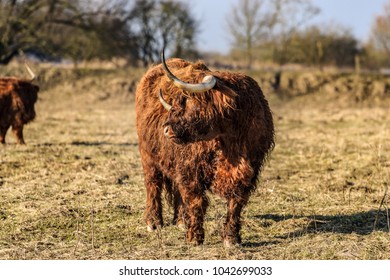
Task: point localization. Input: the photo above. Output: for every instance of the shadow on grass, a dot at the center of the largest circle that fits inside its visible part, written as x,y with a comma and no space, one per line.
100,143
361,223
89,144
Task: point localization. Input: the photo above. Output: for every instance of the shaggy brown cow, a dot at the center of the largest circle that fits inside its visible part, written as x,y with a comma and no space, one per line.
197,137
17,99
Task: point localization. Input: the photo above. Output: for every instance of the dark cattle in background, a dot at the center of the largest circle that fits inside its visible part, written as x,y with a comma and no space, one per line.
17,99
194,137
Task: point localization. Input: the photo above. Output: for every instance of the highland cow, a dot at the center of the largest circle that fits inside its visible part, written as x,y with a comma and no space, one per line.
17,99
195,137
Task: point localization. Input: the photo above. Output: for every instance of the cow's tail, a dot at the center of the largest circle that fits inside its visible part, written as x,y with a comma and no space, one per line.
174,201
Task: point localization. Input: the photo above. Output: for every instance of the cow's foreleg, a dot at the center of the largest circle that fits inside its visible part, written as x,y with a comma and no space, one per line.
18,132
179,215
231,232
195,207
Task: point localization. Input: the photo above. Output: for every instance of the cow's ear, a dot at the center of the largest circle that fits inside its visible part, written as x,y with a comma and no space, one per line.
225,90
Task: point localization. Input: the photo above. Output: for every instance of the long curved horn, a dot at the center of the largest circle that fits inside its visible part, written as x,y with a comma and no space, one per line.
33,76
207,83
163,102
30,72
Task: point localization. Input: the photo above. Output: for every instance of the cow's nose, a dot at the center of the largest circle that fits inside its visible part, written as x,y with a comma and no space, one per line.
169,133
166,131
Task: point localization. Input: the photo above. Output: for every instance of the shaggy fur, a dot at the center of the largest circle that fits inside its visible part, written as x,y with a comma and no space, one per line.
213,141
17,99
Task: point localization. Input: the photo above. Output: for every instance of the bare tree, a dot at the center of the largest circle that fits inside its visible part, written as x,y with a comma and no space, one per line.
178,28
380,31
257,23
167,24
288,16
248,24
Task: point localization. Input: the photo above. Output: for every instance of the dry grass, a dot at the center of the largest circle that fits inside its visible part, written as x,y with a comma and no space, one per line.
75,191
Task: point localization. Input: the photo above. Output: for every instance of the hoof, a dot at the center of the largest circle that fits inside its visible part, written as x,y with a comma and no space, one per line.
150,228
195,243
195,240
181,226
230,243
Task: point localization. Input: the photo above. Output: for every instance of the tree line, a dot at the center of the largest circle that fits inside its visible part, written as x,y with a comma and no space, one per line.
96,29
278,31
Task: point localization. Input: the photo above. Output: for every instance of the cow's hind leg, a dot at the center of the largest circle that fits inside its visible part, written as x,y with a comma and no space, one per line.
153,211
3,132
235,204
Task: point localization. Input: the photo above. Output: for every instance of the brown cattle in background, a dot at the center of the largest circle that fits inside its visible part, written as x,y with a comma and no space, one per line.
197,136
17,99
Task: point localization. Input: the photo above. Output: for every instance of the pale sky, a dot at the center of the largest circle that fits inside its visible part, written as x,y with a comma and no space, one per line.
356,15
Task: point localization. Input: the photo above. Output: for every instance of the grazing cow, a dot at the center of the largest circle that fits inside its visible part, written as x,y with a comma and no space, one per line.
17,99
195,137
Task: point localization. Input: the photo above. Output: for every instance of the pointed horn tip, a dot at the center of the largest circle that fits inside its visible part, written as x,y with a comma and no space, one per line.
165,104
30,71
162,56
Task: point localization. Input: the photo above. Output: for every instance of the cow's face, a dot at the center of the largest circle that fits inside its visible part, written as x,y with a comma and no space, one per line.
29,95
190,120
197,111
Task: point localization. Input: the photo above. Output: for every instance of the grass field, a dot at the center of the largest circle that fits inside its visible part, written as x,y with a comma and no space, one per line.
75,191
